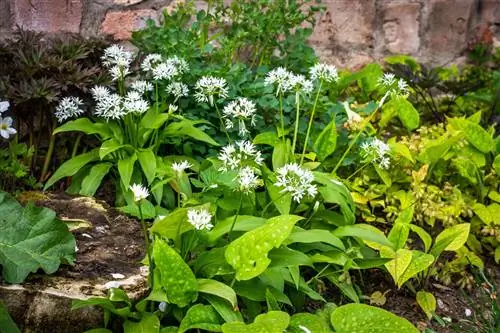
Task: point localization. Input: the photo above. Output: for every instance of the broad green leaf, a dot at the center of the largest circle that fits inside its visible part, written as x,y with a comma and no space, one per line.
366,232
285,257
334,192
467,169
281,153
407,113
384,175
282,201
419,262
213,287
400,261
86,126
389,111
369,77
248,254
403,59
211,263
225,310
69,168
186,127
326,142
451,239
110,146
313,236
474,134
424,236
346,288
7,324
176,278
93,180
427,302
203,317
496,164
149,323
300,322
147,160
242,223
172,225
31,238
437,149
361,318
401,150
399,235
154,121
126,168
271,322
266,138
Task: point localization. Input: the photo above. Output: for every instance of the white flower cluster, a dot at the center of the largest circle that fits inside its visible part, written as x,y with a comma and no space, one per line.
164,69
234,157
139,191
68,107
287,81
141,86
209,87
180,167
113,106
248,180
200,219
118,60
376,151
296,180
134,103
239,111
354,120
6,129
177,89
398,87
324,72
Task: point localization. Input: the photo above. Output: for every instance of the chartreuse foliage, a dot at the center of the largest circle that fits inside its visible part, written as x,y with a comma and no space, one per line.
32,238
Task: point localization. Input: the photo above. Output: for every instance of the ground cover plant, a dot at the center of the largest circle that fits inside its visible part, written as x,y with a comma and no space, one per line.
272,188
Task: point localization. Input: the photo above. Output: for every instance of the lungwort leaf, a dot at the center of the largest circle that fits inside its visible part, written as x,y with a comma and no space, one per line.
31,238
203,317
248,254
271,322
427,302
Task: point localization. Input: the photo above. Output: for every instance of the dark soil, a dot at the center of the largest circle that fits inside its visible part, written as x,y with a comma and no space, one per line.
109,243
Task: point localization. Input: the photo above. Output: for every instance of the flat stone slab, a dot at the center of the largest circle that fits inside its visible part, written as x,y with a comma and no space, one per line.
109,250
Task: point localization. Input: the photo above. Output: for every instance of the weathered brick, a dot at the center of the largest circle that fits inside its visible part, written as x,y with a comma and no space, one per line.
400,27
120,24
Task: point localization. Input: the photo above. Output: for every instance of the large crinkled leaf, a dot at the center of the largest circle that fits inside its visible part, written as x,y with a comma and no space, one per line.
203,317
31,238
248,254
271,322
176,278
361,318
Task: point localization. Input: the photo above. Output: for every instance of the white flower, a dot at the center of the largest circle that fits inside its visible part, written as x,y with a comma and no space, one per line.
248,180
110,107
177,89
396,87
162,306
279,77
468,312
200,219
233,157
115,55
100,92
4,106
134,102
5,127
164,71
376,151
180,64
139,191
239,111
209,87
172,108
403,87
296,181
150,62
141,86
118,72
68,107
324,72
180,167
299,83
353,119
387,80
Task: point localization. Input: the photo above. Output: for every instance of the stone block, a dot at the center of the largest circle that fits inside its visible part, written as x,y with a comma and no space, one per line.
127,2
447,28
48,15
400,27
121,24
5,16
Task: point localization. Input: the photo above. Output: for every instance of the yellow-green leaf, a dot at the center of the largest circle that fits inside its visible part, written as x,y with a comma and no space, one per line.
427,302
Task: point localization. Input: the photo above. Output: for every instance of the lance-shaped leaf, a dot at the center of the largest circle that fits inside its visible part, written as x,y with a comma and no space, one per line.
248,254
271,322
427,302
451,239
31,238
419,262
176,278
400,261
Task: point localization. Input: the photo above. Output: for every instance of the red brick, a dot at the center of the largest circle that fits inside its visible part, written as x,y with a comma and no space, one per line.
120,24
48,15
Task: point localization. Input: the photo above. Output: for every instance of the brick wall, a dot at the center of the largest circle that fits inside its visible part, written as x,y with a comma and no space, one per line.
350,33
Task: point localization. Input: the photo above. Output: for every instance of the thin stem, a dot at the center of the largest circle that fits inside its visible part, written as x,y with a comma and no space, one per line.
48,156
221,122
297,118
282,120
236,216
75,146
311,118
358,170
146,242
270,203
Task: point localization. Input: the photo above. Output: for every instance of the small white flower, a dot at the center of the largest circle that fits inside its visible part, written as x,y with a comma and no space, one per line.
177,89
112,284
248,180
239,111
117,276
324,72
162,306
353,119
141,86
468,312
387,80
68,107
200,219
172,108
396,87
164,71
376,151
150,62
180,64
403,87
139,191
6,129
110,107
305,329
115,55
296,181
235,156
299,83
134,103
118,73
179,168
4,106
100,92
209,87
280,78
